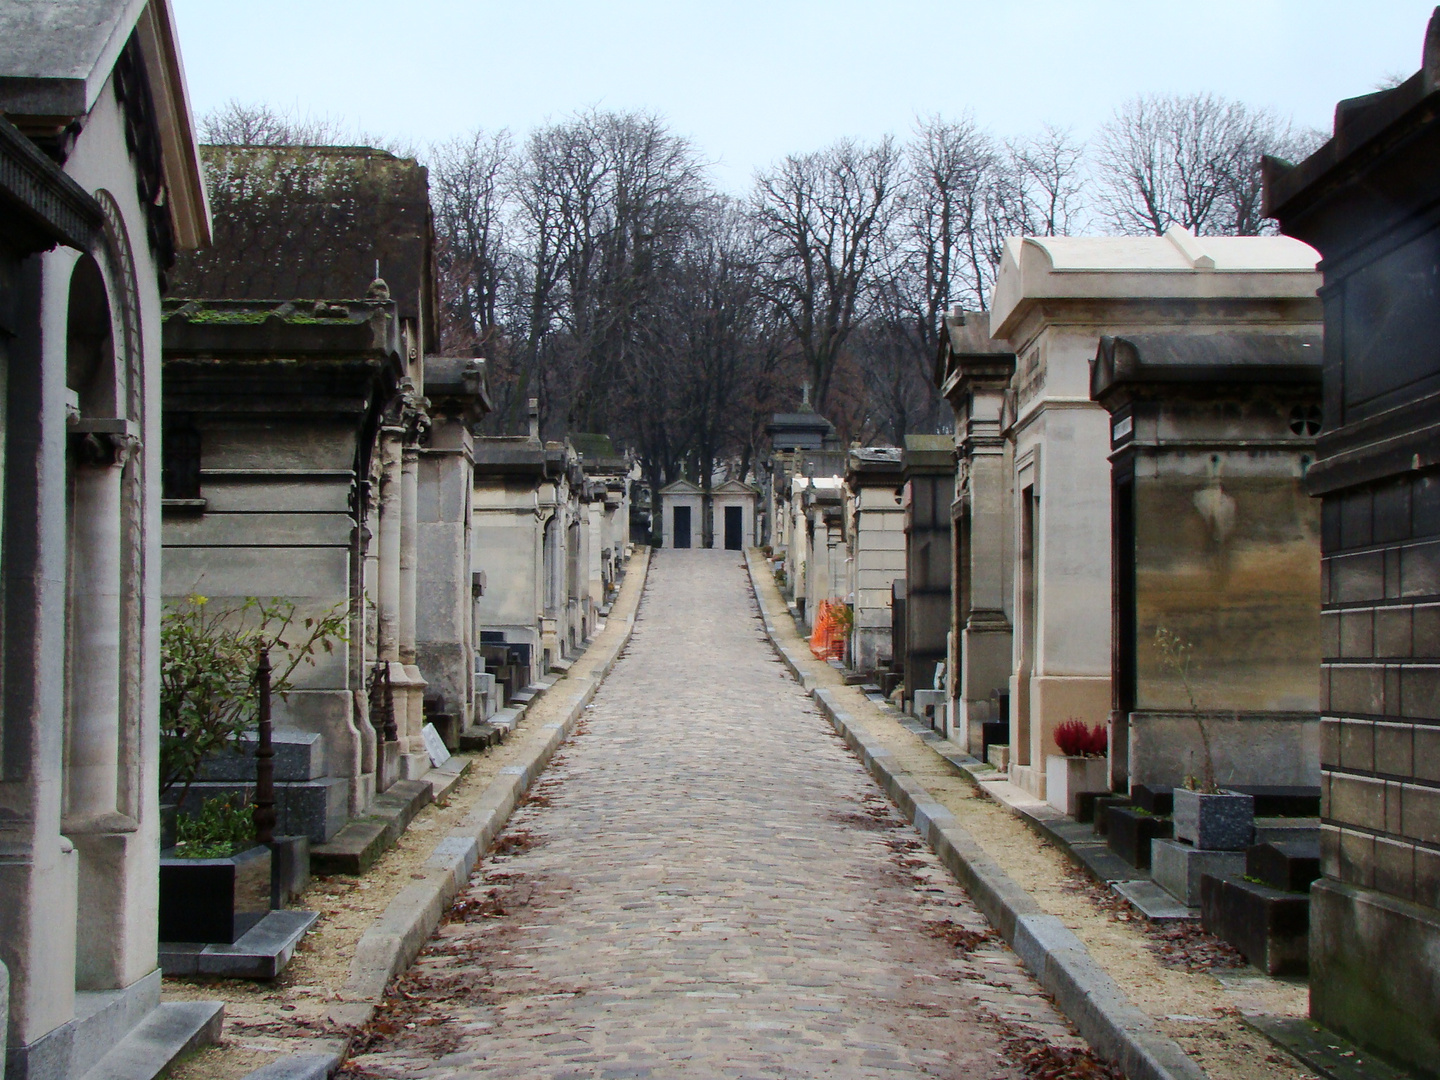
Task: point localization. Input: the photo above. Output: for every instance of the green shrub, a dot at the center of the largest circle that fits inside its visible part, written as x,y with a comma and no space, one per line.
225,824
208,657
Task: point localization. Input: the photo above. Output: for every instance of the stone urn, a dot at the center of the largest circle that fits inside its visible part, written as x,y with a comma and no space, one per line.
1067,778
1219,821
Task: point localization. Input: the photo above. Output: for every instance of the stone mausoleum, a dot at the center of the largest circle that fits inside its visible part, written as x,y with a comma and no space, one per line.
973,373
874,536
1216,543
295,420
1054,299
928,471
1369,200
100,188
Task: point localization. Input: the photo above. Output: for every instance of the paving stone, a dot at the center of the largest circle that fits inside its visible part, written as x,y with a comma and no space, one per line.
707,883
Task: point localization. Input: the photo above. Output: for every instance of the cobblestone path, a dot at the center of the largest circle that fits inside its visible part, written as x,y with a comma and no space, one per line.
707,884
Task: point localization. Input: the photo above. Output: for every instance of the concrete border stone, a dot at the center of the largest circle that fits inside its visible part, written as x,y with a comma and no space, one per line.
298,1067
1095,1004
393,940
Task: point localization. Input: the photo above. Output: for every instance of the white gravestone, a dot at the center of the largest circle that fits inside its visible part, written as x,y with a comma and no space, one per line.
435,745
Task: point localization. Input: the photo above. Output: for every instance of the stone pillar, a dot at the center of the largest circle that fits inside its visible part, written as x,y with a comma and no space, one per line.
387,621
93,740
986,634
414,760
409,505
975,375
102,836
388,602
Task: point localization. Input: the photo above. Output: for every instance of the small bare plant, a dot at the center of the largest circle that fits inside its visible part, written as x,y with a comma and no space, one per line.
1178,656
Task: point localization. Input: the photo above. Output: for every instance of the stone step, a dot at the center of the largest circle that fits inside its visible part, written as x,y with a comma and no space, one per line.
1103,803
1153,902
1130,832
1270,927
262,952
354,849
170,1031
1290,865
480,737
443,778
507,718
1269,829
1155,798
1282,801
1177,868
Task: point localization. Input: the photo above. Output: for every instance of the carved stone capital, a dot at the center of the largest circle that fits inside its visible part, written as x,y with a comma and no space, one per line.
103,443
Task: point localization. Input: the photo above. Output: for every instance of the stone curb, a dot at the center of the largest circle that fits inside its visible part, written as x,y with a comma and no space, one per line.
298,1067
395,938
1099,1009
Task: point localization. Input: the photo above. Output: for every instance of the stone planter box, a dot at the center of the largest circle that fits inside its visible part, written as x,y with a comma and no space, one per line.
1224,821
213,900
1067,777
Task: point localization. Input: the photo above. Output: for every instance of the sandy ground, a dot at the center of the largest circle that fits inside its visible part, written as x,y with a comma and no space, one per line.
1198,1008
288,1015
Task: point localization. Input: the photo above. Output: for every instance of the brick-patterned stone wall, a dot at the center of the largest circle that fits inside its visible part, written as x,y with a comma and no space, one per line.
1380,688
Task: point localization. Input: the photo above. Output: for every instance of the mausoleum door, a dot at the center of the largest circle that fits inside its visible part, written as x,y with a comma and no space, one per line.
734,528
682,526
1124,629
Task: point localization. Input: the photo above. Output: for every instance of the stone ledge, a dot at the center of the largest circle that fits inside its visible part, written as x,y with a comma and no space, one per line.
354,849
171,1031
1322,1050
262,952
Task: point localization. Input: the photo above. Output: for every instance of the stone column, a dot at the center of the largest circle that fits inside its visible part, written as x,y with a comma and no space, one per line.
977,373
986,636
93,740
388,602
103,837
387,621
414,759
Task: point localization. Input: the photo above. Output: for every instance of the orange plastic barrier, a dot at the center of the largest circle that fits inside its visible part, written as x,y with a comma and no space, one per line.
827,641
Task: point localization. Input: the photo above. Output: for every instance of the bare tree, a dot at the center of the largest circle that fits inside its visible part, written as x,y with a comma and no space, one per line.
824,219
466,177
1051,169
1188,160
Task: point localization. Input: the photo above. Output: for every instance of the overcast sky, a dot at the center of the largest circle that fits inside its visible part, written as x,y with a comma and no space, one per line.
750,80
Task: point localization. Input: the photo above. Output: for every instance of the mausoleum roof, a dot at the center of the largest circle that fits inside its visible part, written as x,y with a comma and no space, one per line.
500,455
315,221
56,56
1178,265
869,465
681,487
279,329
736,487
1206,361
65,49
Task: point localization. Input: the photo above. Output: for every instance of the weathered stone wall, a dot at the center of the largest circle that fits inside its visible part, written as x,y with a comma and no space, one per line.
1230,563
